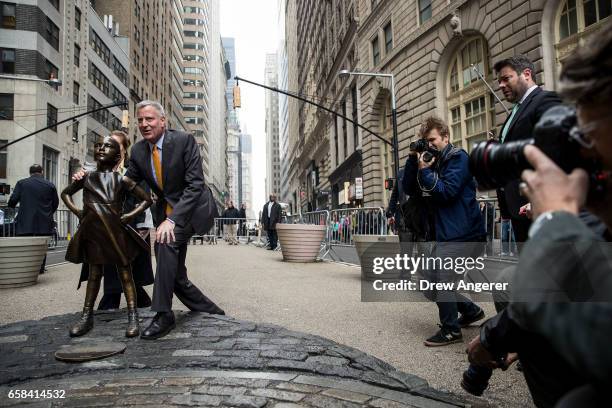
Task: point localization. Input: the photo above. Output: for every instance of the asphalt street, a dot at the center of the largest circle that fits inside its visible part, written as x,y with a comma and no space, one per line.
321,298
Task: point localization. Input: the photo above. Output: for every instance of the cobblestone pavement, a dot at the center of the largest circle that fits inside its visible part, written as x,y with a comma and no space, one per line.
206,361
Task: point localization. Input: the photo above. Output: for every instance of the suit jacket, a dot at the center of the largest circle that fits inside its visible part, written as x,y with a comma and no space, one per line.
529,113
183,180
274,218
38,200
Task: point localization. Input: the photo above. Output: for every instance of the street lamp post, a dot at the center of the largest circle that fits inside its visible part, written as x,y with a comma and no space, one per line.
346,72
52,81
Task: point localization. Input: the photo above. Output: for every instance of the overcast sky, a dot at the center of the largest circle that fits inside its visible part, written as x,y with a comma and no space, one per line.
253,24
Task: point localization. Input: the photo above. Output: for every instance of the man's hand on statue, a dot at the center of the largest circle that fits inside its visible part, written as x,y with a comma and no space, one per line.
549,188
165,233
78,175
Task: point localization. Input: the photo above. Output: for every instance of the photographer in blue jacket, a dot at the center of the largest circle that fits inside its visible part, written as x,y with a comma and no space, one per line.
439,171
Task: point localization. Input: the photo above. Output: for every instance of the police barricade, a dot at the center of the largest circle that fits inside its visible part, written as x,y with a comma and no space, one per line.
345,223
65,225
231,230
500,236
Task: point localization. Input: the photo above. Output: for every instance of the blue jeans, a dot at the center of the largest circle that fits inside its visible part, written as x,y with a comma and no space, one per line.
507,239
450,302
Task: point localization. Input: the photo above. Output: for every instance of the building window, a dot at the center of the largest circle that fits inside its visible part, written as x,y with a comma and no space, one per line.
424,10
7,102
7,61
52,34
336,141
52,117
344,133
471,113
388,38
576,15
120,71
55,3
50,159
99,79
51,71
375,51
77,55
102,115
3,160
7,15
99,47
76,89
77,18
75,131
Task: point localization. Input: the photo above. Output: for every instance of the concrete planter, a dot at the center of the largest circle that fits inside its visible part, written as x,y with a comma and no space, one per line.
300,242
20,260
371,246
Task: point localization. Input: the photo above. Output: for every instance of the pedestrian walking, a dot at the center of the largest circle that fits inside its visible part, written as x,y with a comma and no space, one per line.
232,215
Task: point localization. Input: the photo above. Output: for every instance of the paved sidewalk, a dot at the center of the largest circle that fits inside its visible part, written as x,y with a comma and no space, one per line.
321,299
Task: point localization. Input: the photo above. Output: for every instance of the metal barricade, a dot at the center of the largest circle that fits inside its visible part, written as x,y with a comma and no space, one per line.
66,224
500,236
234,230
344,223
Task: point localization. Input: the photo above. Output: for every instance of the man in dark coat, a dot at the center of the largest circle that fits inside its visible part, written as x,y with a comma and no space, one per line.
232,215
38,201
242,216
270,216
169,162
516,76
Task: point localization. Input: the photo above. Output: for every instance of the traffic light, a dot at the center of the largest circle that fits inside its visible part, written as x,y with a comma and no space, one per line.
236,96
389,184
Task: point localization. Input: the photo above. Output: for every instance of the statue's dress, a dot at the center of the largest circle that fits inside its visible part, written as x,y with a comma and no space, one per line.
101,237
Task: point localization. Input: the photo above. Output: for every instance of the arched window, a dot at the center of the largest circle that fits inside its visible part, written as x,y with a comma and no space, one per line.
576,20
386,151
471,116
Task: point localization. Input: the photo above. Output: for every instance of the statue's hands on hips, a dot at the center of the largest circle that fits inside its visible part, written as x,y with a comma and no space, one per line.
165,232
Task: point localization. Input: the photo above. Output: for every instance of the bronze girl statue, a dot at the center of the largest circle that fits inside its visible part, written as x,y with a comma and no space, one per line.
103,236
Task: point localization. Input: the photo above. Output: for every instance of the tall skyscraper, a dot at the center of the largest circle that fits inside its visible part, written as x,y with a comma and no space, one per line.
155,32
218,107
196,83
273,170
283,110
247,184
234,151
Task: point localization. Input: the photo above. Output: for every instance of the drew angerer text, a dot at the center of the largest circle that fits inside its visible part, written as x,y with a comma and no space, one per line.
423,285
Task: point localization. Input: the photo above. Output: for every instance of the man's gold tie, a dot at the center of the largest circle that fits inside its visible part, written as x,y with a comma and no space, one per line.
158,175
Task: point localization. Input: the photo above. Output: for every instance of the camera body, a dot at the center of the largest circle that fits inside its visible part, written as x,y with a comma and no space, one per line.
494,164
422,146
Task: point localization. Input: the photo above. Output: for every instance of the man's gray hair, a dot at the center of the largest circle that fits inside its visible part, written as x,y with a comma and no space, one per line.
155,104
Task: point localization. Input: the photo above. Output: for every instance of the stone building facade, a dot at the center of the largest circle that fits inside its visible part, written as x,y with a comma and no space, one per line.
434,49
273,170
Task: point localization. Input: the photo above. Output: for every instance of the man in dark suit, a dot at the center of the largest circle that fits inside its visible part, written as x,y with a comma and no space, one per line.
270,216
37,199
516,77
169,162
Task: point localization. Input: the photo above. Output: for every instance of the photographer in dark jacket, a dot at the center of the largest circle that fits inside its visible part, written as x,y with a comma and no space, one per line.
442,175
562,336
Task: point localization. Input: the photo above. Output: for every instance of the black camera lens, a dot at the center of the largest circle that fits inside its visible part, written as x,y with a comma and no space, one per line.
494,164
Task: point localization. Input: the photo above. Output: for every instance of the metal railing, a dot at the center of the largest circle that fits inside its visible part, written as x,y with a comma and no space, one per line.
500,236
66,224
235,230
345,223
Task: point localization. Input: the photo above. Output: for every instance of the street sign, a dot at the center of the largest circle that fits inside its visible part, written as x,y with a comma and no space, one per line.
359,188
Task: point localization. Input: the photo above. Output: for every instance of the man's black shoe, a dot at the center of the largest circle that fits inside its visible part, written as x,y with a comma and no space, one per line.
161,325
473,387
465,321
443,338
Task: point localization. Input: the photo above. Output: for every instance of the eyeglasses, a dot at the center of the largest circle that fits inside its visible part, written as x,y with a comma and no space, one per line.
580,133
